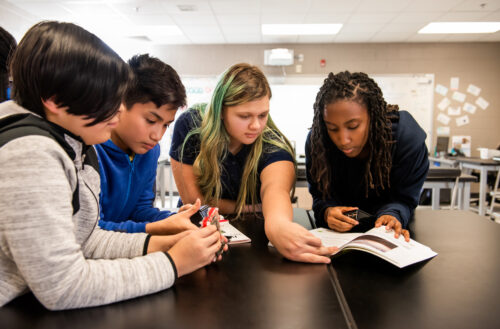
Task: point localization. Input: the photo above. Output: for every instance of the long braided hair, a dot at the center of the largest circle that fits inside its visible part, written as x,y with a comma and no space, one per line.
360,88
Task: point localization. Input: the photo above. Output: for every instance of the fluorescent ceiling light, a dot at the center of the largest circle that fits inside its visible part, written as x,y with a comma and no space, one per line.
460,27
300,29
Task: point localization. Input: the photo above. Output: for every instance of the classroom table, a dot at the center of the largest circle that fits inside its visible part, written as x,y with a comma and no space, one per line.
254,287
456,289
484,166
446,178
445,161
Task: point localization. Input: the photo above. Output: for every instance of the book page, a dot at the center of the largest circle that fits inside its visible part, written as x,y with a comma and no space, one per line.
380,242
397,251
232,233
331,238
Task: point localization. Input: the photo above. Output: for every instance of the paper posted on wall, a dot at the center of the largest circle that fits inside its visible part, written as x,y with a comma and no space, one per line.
377,241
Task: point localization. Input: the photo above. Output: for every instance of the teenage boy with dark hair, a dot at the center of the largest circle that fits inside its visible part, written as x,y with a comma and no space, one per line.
67,88
128,161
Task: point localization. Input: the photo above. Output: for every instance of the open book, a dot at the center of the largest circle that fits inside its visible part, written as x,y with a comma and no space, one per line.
377,241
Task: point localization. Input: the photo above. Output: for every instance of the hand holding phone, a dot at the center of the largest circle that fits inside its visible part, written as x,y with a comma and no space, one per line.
214,219
358,214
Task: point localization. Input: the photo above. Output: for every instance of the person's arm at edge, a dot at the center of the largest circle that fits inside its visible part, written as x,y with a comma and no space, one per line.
277,180
189,190
412,173
50,258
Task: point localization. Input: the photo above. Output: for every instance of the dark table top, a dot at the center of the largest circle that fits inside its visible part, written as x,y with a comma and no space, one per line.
458,288
475,160
252,287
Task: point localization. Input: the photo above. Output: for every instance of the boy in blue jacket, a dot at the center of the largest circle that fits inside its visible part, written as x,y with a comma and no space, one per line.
128,161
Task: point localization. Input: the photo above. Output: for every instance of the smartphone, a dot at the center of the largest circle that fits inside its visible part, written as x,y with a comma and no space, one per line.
198,216
358,214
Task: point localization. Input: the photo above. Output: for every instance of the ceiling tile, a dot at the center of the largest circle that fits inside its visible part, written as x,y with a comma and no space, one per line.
391,36
150,19
225,20
279,39
381,6
402,28
326,18
462,37
432,5
208,39
88,8
490,37
360,28
200,29
145,7
418,17
333,6
243,29
100,25
236,7
176,39
200,6
289,6
492,17
426,38
243,38
315,38
359,38
363,18
193,19
44,10
234,19
463,16
282,19
477,5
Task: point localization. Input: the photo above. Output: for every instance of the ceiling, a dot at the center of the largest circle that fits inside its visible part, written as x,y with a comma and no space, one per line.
239,21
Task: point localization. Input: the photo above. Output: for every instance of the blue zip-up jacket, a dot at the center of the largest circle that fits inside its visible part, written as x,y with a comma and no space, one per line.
127,189
410,164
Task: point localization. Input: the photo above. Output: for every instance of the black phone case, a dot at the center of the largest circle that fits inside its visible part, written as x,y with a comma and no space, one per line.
198,216
366,220
358,214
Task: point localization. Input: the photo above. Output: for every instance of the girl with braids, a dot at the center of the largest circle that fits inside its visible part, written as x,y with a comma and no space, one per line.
362,152
230,154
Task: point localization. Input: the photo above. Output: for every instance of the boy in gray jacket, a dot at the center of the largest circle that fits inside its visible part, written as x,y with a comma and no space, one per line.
68,87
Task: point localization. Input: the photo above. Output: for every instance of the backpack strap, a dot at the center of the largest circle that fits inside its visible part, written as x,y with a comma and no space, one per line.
26,124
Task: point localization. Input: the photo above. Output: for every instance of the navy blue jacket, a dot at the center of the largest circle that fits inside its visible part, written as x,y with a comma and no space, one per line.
127,189
410,164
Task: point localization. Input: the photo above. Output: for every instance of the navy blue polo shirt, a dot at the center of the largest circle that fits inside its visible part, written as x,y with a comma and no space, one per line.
232,164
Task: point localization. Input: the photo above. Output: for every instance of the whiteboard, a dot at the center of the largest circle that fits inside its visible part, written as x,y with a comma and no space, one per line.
293,99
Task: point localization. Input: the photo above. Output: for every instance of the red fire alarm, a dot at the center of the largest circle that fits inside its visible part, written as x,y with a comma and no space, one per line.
322,63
